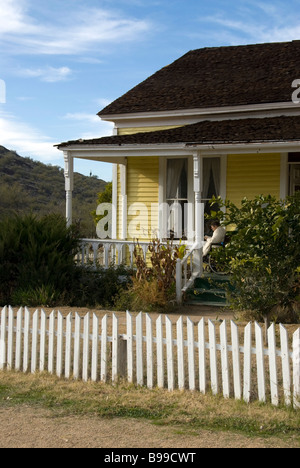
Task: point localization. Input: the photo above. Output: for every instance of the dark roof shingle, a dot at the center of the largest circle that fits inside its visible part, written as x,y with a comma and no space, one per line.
217,77
251,130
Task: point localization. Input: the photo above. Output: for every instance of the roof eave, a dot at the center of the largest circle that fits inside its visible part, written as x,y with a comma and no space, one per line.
113,152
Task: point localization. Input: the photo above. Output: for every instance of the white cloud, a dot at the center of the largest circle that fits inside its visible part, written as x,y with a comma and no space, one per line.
102,102
82,117
89,125
74,33
26,140
255,22
48,74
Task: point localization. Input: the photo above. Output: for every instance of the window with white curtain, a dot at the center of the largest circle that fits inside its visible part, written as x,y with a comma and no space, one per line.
211,185
177,196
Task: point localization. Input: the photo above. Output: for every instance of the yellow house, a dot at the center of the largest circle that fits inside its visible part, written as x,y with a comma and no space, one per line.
218,121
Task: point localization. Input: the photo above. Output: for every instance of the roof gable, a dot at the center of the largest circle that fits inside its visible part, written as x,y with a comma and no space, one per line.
218,76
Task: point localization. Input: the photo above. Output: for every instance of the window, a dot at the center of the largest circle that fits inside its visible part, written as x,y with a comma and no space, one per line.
211,186
294,173
177,196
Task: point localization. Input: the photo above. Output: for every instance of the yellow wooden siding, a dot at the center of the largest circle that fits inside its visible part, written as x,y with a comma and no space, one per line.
132,130
249,175
142,187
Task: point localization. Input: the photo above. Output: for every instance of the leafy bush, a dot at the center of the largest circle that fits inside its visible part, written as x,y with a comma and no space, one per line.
100,287
264,256
36,257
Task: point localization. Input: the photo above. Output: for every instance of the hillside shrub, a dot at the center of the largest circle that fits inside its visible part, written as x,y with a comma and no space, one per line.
36,259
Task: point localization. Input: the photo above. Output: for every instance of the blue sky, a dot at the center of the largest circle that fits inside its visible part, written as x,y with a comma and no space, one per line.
62,61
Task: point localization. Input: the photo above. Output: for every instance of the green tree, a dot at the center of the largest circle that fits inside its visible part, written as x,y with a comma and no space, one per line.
264,255
103,197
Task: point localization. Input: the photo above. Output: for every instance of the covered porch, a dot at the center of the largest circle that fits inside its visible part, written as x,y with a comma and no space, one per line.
127,220
253,156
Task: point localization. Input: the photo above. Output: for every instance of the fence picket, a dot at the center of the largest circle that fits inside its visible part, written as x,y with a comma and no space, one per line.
20,343
103,369
86,347
285,362
26,340
10,338
34,347
129,329
3,338
236,361
149,351
224,359
95,347
296,368
139,350
260,363
115,348
191,354
18,339
202,360
77,339
273,365
59,345
160,352
180,353
68,345
247,362
51,342
43,341
213,357
170,354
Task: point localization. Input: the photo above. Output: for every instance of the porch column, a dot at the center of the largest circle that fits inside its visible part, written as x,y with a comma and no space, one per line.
69,184
123,179
199,207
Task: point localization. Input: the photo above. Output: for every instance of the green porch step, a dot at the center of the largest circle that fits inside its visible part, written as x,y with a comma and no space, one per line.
209,289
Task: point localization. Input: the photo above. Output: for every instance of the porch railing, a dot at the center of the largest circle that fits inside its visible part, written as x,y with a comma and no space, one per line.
107,252
104,253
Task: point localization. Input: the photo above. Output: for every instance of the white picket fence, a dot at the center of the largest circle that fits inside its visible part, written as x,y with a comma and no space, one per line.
181,355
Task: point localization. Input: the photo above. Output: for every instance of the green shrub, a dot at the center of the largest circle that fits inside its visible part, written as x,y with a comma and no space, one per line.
264,256
100,287
45,296
36,257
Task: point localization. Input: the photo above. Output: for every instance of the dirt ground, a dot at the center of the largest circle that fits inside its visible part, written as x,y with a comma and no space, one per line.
25,427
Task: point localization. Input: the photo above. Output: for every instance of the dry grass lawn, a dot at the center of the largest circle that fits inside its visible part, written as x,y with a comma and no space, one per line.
43,411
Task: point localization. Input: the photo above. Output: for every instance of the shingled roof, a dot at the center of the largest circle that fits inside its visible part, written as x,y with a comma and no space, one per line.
253,130
218,76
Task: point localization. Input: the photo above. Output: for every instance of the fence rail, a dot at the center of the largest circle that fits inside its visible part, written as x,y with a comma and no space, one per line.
179,355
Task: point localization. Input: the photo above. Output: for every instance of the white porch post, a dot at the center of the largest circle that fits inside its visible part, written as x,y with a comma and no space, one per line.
114,200
199,207
123,177
69,185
